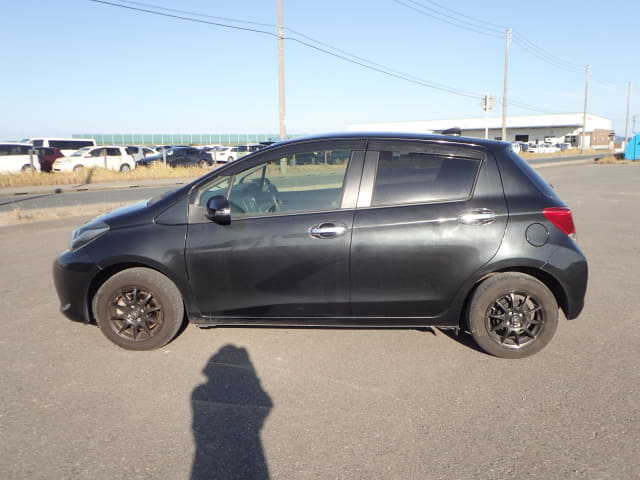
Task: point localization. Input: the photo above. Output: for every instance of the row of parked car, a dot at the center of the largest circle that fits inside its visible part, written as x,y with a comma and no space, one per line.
41,155
546,147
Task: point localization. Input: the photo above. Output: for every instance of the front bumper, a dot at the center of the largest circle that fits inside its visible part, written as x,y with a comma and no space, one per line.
73,274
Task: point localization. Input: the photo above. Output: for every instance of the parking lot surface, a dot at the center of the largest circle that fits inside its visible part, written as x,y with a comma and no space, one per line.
329,403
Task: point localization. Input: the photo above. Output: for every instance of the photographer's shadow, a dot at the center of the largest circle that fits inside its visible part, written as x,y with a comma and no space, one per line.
228,413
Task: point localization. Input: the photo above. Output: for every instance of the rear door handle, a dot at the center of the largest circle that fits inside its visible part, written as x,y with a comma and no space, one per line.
327,230
478,216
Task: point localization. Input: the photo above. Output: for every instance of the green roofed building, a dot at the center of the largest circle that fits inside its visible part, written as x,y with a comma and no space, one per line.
177,138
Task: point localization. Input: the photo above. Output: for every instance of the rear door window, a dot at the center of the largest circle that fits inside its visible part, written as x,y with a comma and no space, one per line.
405,176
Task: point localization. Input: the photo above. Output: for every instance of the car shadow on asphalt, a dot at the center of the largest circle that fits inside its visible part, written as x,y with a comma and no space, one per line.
229,410
463,338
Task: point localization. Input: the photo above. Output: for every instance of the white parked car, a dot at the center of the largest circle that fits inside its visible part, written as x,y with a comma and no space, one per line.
18,157
139,152
111,156
226,154
66,145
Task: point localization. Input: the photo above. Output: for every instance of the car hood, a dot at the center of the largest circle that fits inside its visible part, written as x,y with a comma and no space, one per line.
145,211
135,213
153,158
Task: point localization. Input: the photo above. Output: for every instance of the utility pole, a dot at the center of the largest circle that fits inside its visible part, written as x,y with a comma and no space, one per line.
506,84
626,124
586,103
283,128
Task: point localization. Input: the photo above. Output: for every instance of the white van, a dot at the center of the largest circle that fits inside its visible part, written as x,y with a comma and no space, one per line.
112,157
18,157
66,145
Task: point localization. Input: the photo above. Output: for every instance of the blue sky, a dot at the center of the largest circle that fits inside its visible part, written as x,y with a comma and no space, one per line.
77,66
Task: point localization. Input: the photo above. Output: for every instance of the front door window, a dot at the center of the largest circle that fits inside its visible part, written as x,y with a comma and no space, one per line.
302,182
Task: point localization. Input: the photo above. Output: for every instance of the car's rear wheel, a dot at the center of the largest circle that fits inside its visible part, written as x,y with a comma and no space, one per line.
203,164
512,315
139,309
124,168
77,168
28,169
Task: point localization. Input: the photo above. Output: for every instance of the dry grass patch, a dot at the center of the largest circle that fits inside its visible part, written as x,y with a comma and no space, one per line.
96,175
19,215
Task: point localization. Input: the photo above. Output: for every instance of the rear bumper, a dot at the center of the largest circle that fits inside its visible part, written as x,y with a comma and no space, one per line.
570,267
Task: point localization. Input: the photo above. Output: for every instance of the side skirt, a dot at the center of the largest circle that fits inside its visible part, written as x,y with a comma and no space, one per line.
350,322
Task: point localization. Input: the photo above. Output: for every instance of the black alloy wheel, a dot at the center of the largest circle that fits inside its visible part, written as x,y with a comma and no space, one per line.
512,315
139,309
514,320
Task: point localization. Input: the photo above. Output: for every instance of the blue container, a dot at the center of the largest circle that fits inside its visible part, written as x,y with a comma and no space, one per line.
632,152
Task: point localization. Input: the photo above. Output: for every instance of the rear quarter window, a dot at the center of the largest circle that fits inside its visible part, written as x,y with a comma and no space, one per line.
535,178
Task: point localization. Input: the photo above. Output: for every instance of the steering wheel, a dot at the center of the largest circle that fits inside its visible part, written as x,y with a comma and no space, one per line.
272,194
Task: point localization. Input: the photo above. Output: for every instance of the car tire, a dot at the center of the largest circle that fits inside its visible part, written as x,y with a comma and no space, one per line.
124,168
77,168
203,164
27,169
139,309
230,159
512,315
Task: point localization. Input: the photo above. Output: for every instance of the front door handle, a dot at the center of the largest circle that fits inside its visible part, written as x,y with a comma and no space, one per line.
479,216
327,230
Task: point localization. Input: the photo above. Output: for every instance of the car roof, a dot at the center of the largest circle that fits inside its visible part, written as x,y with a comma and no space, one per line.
492,144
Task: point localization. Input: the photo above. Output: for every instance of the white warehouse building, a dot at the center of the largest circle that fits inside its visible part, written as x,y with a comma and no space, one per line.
561,128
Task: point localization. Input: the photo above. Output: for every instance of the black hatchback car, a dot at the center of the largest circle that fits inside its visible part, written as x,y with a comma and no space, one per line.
408,231
178,157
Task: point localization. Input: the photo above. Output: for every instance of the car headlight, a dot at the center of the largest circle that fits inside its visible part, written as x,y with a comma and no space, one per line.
87,233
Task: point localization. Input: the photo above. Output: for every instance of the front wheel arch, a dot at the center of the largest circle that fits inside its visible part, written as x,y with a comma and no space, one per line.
110,271
139,308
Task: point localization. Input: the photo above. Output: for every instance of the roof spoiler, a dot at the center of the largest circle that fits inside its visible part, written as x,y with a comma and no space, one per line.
452,131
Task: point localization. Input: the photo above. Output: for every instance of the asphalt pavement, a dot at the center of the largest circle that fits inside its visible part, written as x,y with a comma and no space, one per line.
310,403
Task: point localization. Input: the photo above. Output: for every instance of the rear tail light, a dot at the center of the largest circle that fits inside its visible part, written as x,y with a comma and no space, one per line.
562,218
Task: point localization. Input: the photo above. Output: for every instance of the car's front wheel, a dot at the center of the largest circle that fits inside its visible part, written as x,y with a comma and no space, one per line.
512,315
124,168
139,309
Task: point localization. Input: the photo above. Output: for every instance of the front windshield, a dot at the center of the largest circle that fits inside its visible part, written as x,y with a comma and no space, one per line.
81,152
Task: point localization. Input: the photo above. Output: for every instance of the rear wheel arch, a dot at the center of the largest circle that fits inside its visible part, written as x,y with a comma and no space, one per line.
548,280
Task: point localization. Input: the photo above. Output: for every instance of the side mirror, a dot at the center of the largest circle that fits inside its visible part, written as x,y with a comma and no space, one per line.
219,210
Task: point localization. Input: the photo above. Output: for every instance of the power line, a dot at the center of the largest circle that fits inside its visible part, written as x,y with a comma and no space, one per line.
345,56
456,23
481,22
545,56
342,55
